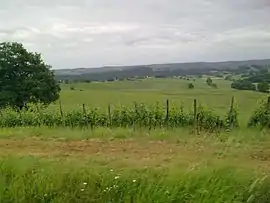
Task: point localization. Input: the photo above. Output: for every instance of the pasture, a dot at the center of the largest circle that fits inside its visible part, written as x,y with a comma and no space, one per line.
152,91
104,164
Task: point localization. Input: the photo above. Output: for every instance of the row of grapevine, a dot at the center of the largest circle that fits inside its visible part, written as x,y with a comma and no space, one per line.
140,116
261,116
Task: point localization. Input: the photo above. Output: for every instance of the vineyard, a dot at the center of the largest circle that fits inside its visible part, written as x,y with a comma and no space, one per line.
140,116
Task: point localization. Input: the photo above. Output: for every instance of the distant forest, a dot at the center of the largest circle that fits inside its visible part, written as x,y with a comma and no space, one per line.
246,68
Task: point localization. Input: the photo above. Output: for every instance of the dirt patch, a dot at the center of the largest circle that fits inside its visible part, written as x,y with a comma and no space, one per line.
132,152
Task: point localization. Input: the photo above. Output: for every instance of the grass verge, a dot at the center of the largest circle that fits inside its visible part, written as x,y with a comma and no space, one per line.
30,179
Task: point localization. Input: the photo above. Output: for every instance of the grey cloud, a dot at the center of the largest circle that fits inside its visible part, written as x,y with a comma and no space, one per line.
101,32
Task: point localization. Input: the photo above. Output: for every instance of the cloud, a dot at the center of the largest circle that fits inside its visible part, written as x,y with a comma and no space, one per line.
100,32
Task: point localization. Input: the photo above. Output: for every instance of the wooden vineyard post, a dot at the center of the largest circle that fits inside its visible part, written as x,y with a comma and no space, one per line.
84,109
38,111
84,115
195,116
231,113
167,112
61,112
110,115
133,121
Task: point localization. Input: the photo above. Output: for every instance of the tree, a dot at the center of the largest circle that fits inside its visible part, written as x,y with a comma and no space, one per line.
209,81
263,87
190,86
229,77
243,85
25,78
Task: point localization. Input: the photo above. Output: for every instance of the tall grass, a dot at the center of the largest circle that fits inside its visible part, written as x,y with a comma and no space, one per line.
155,116
32,180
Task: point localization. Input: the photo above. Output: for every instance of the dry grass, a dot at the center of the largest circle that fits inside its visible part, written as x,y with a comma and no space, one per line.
142,152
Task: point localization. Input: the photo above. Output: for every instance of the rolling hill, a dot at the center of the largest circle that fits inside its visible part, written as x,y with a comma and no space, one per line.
156,70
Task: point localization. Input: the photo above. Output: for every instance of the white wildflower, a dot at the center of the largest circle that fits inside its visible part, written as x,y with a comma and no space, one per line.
82,189
116,177
111,170
85,183
134,181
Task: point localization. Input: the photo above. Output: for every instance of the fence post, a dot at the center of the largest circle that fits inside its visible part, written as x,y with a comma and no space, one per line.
84,109
167,112
84,115
38,111
110,115
61,109
195,115
231,112
136,114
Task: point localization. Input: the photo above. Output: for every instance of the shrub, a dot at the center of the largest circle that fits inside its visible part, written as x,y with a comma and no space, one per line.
214,85
209,81
72,88
190,85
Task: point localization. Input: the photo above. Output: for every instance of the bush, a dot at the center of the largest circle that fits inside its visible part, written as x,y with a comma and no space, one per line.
72,88
190,85
209,81
214,85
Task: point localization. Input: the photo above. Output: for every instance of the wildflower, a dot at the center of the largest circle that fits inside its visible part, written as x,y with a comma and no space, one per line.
82,189
134,181
116,177
111,170
85,183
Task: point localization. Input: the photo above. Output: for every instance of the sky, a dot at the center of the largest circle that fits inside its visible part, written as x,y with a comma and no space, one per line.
94,33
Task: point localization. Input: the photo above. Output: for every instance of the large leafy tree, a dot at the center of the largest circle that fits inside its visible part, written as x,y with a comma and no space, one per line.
24,77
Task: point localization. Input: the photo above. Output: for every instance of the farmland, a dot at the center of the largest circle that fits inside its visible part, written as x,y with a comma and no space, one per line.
125,164
151,91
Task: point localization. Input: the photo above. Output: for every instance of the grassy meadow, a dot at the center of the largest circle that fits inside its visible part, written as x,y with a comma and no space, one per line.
63,164
151,91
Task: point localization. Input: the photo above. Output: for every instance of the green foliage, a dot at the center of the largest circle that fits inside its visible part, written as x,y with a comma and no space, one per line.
243,85
24,77
154,116
214,85
72,88
228,77
259,77
261,116
190,86
209,81
263,87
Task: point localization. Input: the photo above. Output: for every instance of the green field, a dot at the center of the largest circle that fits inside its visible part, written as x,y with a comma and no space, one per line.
63,164
151,91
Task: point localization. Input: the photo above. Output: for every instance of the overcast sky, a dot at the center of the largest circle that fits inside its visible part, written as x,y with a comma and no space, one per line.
93,33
